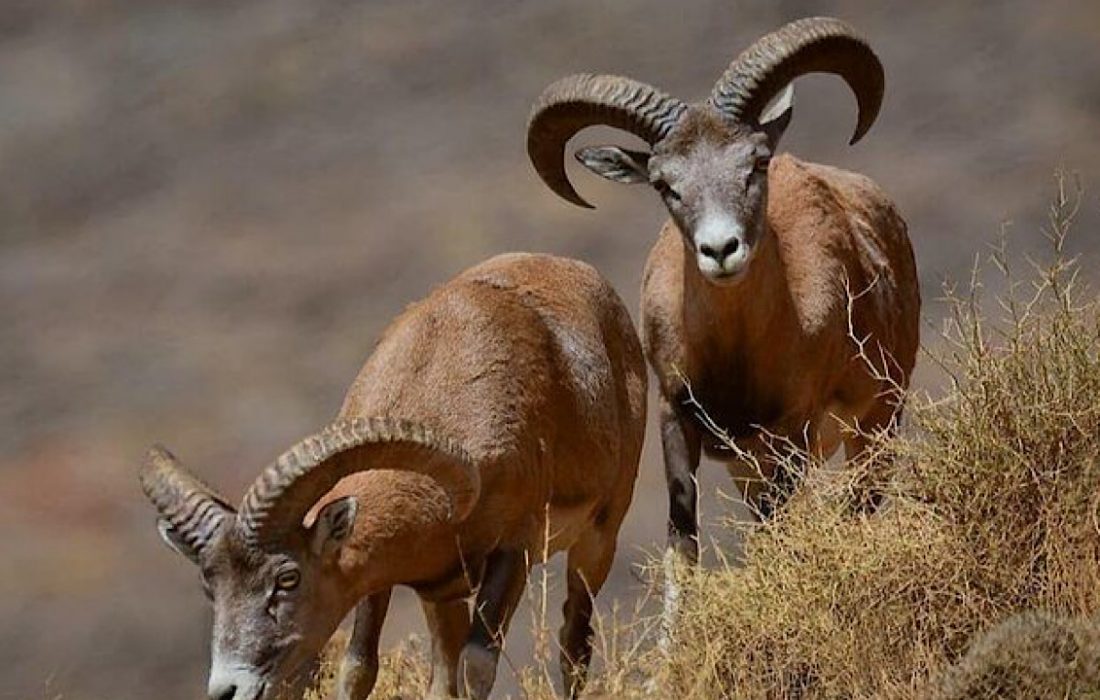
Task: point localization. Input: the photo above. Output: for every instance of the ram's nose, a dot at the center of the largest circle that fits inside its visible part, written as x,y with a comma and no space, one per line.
222,691
722,251
234,684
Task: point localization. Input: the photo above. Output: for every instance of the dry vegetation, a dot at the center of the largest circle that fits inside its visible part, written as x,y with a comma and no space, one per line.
978,578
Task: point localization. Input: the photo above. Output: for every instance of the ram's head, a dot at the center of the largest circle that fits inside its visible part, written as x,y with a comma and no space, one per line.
276,582
707,161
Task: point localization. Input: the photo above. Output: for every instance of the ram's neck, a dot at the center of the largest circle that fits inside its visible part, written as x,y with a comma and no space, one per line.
402,532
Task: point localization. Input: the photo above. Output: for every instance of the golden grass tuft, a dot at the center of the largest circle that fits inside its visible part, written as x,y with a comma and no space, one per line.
402,675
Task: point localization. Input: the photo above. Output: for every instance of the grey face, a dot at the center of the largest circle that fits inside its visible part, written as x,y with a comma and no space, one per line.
713,178
717,195
273,611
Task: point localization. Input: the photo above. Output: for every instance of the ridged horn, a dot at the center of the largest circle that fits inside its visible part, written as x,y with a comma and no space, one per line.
579,101
190,508
811,45
284,492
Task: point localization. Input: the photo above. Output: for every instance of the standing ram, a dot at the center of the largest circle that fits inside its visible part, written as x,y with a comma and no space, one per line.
498,420
770,269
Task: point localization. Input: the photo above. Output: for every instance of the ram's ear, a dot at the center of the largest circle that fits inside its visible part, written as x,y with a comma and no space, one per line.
616,164
333,526
777,116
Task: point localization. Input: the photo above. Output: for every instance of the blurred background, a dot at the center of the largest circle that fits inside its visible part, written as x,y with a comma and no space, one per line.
209,209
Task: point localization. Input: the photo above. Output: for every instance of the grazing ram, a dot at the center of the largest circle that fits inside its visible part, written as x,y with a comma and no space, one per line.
498,420
745,300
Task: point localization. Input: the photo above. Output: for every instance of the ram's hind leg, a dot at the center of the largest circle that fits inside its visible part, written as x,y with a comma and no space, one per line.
500,592
449,625
359,668
589,561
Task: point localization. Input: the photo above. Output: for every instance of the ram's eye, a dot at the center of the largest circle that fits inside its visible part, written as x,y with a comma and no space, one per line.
287,580
665,190
761,165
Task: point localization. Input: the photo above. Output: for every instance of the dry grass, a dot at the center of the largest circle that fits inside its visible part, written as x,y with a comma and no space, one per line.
403,674
992,511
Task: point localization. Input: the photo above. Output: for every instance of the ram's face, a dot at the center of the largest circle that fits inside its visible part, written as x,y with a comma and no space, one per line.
270,619
712,175
716,192
274,608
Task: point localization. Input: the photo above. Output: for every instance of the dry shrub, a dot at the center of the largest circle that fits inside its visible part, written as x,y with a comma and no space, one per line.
991,510
1030,655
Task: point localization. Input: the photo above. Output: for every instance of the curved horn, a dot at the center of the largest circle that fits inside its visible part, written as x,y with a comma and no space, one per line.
190,511
811,45
285,491
583,100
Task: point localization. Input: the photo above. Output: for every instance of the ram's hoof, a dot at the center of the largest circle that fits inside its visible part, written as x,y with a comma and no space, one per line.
476,671
356,679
